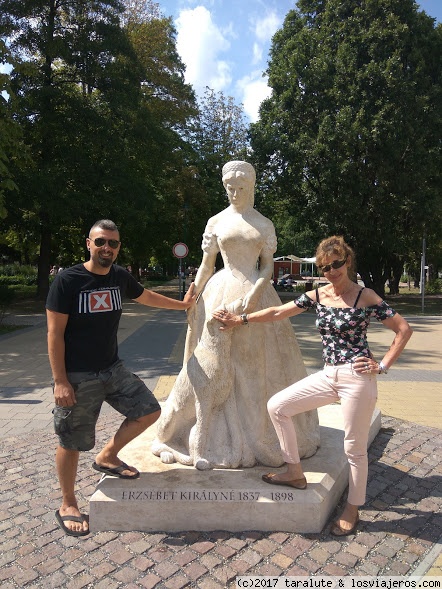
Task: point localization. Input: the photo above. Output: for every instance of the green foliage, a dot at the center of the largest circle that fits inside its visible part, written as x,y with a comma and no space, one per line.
219,134
434,286
99,101
15,274
25,280
22,292
162,217
102,105
11,147
17,270
349,141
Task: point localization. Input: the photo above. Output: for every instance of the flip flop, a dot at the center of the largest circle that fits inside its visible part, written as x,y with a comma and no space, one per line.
72,518
116,471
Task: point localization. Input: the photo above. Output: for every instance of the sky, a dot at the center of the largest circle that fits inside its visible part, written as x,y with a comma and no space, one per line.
225,43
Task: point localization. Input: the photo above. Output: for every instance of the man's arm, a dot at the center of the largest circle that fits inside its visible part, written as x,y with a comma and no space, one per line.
154,299
63,391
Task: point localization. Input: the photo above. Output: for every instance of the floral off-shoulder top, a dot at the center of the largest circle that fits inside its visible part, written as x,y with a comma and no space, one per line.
344,331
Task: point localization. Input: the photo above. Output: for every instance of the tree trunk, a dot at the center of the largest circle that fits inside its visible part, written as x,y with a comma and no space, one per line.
135,270
374,280
397,267
44,260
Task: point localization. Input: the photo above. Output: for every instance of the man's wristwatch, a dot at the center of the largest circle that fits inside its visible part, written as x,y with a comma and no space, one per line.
244,318
382,368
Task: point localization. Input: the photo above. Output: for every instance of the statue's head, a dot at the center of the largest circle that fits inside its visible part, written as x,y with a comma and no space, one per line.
237,174
240,166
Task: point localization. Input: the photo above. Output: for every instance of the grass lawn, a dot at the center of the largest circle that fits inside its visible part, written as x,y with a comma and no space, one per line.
24,303
409,302
412,304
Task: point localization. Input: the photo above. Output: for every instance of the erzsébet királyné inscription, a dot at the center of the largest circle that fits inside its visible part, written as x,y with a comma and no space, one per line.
232,495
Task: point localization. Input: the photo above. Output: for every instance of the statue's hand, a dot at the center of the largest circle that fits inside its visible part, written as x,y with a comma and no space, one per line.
249,302
236,306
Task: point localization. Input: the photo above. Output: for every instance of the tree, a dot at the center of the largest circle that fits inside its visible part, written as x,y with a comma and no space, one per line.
73,73
349,141
101,99
11,146
219,134
169,103
140,11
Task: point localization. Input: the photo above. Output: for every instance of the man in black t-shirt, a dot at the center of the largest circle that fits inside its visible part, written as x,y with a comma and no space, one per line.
84,307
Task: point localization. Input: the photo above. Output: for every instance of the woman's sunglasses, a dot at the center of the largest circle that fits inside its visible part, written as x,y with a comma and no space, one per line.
335,265
100,241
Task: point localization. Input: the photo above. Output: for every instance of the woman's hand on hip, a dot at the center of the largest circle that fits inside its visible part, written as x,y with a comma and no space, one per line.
364,365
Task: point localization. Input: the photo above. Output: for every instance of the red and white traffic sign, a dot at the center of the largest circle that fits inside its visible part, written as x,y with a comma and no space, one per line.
180,250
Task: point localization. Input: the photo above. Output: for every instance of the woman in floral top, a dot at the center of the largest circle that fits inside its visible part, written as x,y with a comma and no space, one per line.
343,312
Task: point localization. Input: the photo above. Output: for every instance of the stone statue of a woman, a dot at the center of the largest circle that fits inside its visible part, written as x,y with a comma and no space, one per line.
216,414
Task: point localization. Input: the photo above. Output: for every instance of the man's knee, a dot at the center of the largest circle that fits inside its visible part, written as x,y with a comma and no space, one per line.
147,420
70,453
154,416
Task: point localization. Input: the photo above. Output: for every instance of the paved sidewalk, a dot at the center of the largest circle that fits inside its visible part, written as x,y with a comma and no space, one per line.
400,531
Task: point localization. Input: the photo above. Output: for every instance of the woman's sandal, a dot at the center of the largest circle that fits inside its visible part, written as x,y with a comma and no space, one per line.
337,530
295,483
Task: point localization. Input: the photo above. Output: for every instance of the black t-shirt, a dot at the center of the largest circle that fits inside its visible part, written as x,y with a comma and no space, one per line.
94,305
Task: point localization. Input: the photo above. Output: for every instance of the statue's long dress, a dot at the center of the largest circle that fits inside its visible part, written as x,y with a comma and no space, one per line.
216,414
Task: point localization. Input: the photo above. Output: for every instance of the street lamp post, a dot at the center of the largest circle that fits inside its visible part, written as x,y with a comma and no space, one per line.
423,274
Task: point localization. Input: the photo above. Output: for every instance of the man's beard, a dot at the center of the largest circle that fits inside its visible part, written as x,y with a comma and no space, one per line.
105,262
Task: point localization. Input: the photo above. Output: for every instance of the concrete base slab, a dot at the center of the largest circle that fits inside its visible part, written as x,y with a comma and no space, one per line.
174,497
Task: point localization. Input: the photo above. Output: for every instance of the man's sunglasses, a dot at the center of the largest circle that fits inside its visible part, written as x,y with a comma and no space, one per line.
100,241
335,265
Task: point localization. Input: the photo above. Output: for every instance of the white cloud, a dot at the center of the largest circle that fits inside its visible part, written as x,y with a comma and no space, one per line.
266,27
200,43
263,30
257,53
254,90
253,87
223,52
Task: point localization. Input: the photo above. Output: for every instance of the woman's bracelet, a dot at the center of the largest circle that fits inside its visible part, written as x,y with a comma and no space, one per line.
382,368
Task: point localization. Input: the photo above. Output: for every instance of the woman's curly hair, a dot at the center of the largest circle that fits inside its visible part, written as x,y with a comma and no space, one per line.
336,246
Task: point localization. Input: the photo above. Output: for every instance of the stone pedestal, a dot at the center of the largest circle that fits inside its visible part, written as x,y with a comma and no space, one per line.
174,498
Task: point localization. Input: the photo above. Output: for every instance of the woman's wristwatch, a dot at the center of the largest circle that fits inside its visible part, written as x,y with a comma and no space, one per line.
382,368
244,318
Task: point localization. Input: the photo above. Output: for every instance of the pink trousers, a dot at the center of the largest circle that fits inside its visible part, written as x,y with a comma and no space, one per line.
357,394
